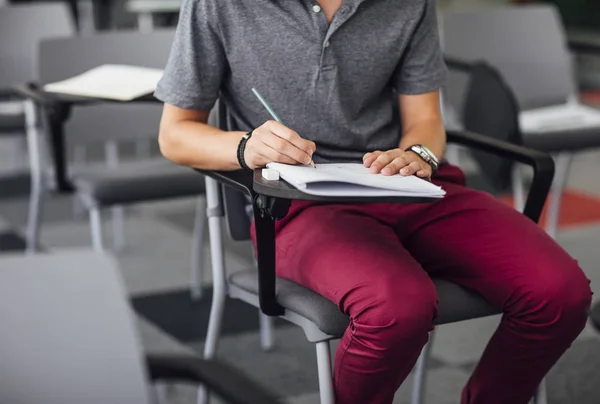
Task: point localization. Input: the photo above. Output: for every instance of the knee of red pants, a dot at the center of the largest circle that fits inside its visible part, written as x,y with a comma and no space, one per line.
556,302
393,316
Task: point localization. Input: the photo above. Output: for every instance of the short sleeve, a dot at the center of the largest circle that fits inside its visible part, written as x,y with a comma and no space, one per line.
422,68
194,71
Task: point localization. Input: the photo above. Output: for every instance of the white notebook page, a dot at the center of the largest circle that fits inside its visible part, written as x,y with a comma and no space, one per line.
116,82
346,179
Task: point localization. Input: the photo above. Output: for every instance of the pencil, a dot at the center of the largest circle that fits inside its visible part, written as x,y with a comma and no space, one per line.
273,114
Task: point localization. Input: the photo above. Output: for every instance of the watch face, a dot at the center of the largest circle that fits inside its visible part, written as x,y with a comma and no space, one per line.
430,153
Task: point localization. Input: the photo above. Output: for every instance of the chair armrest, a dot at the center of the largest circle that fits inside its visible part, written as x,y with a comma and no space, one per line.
542,164
8,93
584,46
240,180
227,382
458,64
595,316
28,91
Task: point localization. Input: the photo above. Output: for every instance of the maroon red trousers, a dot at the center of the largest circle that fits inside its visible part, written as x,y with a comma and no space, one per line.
375,262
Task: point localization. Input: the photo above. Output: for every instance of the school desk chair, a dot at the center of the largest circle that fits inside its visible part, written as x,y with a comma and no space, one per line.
69,337
595,316
17,54
103,123
145,11
528,46
231,196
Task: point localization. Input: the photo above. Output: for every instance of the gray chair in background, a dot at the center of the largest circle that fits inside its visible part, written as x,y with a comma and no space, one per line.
147,9
528,46
21,28
69,336
228,196
121,183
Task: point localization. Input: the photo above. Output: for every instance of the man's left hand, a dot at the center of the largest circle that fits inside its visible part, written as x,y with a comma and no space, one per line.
397,161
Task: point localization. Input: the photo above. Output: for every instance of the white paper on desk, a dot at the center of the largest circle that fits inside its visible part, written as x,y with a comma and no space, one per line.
350,179
113,82
559,117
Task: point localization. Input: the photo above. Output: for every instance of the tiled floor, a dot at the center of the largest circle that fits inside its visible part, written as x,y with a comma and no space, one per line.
156,268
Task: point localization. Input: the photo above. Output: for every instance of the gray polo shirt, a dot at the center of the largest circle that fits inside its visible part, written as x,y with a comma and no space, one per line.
334,83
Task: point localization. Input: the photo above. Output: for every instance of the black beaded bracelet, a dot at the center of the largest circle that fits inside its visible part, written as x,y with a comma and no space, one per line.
241,149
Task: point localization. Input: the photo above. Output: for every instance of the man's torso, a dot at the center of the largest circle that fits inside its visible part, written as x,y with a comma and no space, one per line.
331,82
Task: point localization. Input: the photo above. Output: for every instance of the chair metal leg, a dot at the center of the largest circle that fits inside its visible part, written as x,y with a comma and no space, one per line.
36,168
34,216
214,212
85,9
267,338
161,391
325,372
563,164
197,249
145,22
266,331
518,188
420,373
96,229
118,227
541,394
111,157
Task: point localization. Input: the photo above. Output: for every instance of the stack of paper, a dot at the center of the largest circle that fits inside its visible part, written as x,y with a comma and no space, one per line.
113,82
348,179
558,118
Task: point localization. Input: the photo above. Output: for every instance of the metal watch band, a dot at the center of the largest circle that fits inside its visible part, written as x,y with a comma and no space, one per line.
429,158
241,149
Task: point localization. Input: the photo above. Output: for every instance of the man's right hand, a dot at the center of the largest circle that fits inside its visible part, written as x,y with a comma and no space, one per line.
273,142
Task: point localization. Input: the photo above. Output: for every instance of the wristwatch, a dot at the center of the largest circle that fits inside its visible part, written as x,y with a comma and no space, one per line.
241,149
426,155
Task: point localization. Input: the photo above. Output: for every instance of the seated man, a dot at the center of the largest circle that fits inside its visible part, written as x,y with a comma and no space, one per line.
358,81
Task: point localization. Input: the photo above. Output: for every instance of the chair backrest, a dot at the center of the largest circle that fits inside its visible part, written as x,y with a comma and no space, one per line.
21,29
491,109
67,57
527,44
68,333
238,207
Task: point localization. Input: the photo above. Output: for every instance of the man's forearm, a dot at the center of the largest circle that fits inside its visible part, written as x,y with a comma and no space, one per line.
200,145
430,133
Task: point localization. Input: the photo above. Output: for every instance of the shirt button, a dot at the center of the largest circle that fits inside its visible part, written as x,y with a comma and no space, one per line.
327,44
316,8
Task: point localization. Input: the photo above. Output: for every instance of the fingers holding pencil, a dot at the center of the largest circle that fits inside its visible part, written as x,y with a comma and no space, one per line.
285,133
274,142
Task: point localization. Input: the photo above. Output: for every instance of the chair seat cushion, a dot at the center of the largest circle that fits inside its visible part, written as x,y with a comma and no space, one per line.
137,182
455,303
563,127
595,316
12,123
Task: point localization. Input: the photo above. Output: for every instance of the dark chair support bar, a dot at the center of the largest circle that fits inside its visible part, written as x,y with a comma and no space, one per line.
29,91
542,163
266,211
266,254
582,46
224,380
457,64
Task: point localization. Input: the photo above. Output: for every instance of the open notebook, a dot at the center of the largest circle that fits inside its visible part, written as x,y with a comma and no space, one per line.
349,179
113,82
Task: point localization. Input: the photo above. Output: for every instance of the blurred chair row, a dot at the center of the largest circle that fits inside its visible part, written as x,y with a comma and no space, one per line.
483,102
92,16
68,336
38,45
528,47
